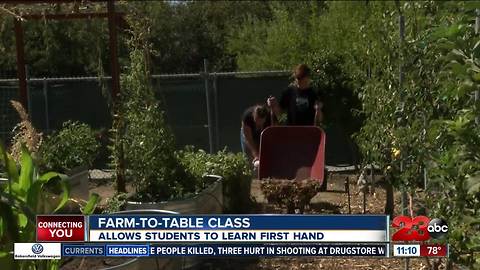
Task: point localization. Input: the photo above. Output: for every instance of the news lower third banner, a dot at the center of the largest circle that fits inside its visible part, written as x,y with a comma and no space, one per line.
208,235
239,228
225,250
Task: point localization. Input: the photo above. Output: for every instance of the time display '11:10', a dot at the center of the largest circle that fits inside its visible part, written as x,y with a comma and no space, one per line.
406,250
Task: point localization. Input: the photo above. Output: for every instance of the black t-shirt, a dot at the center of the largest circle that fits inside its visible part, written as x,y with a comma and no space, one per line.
247,120
299,105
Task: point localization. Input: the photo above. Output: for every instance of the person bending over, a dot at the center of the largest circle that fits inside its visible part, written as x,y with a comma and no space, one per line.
299,101
254,120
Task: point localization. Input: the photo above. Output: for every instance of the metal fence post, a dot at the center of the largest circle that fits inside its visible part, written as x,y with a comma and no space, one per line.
45,99
216,105
209,113
29,100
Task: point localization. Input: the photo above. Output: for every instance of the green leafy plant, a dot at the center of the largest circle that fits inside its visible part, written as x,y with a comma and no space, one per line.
454,164
72,146
426,122
234,169
20,200
116,203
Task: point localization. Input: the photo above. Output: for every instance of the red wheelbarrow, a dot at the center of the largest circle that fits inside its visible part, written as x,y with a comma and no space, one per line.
292,152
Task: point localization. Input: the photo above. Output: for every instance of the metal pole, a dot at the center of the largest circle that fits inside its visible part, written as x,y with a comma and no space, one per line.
477,30
45,98
217,120
209,113
425,179
21,74
372,181
425,175
29,102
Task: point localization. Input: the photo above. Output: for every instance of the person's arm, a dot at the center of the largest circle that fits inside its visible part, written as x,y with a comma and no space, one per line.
274,108
273,121
318,113
247,132
279,108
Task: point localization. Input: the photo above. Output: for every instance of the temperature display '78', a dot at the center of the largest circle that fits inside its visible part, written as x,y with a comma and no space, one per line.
433,250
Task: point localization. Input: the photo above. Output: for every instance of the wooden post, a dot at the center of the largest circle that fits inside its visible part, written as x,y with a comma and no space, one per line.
112,29
347,189
115,71
21,74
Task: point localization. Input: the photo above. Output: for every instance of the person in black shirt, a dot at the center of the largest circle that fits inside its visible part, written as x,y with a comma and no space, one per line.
299,101
254,120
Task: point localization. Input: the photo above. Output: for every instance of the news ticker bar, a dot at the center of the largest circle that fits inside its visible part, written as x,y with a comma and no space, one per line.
59,250
229,250
213,228
255,250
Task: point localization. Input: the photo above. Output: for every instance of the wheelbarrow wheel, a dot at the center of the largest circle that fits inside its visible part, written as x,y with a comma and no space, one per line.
323,187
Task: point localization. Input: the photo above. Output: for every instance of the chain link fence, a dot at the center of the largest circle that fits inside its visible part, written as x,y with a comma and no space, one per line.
203,109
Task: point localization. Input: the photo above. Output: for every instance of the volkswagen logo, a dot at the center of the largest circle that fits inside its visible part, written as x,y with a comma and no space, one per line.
37,248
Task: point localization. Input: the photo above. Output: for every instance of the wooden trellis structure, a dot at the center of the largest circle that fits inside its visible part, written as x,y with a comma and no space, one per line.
110,14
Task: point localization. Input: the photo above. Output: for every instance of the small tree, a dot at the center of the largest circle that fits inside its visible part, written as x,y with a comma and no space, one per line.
141,132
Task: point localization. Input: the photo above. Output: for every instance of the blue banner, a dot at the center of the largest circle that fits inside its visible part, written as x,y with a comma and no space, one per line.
239,222
77,250
127,250
229,250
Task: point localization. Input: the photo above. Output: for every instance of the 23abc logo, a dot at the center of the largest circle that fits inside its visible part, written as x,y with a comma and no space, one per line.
419,228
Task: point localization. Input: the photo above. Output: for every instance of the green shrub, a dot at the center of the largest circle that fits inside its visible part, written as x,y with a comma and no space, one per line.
74,145
116,203
234,169
336,88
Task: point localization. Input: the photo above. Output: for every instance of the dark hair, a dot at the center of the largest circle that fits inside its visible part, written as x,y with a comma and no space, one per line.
260,111
301,71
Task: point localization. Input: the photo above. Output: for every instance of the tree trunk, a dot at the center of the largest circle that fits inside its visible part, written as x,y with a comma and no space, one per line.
389,203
